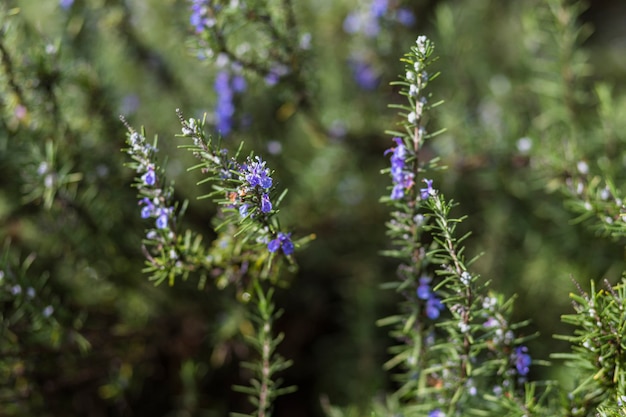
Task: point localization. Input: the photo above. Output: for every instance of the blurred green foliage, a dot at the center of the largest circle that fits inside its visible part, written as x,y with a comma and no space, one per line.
520,107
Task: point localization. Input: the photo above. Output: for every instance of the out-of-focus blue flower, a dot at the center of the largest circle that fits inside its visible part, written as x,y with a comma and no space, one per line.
436,413
283,240
405,17
239,84
66,4
226,86
433,307
428,191
200,18
423,289
365,75
378,8
522,360
266,205
402,179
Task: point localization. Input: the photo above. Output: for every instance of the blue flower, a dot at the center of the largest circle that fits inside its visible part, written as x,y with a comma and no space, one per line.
365,75
405,17
378,8
256,173
428,191
423,289
149,178
401,177
433,307
522,360
199,18
243,210
266,205
162,218
283,240
148,208
66,4
225,107
437,413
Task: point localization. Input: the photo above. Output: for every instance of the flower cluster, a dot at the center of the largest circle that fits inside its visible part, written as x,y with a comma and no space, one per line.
367,21
226,86
433,305
254,189
153,197
201,17
401,176
522,360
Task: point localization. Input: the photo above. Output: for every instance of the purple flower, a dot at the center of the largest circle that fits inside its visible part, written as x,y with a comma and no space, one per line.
162,218
243,209
352,23
402,178
433,307
256,173
405,17
239,84
378,8
225,107
365,75
266,205
149,178
522,360
199,18
428,191
66,4
437,413
283,240
148,208
423,290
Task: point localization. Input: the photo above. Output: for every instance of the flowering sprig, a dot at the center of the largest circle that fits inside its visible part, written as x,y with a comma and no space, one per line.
243,190
455,339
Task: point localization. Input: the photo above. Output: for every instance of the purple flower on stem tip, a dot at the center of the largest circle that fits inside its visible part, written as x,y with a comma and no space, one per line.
256,173
283,240
428,191
522,360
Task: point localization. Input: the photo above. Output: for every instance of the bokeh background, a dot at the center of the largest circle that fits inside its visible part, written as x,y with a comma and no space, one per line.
95,338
